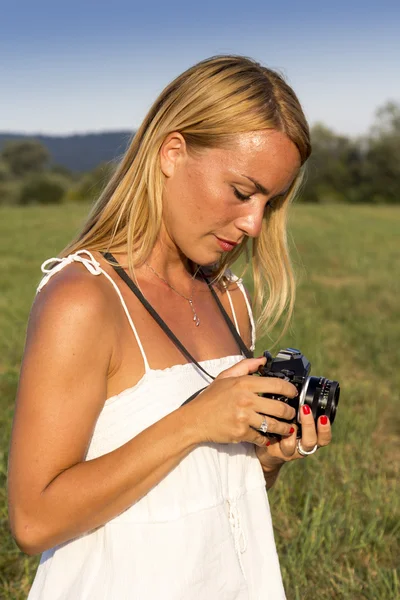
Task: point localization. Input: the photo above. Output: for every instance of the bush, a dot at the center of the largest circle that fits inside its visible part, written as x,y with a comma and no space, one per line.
10,192
25,156
5,173
61,170
43,188
91,184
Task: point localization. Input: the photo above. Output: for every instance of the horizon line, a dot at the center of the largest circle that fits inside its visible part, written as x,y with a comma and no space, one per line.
94,132
133,130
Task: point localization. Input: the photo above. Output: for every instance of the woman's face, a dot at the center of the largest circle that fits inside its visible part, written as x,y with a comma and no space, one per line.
220,194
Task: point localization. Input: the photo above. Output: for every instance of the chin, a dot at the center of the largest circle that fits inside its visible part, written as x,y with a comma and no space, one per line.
210,265
200,253
207,259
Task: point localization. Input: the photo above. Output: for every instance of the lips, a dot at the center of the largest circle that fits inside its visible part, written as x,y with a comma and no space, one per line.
226,245
228,242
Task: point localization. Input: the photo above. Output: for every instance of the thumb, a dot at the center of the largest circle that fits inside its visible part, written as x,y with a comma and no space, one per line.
244,367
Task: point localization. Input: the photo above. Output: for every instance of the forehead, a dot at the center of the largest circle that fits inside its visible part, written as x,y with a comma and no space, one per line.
268,156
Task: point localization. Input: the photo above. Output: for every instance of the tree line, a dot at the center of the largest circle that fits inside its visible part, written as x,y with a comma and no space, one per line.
365,169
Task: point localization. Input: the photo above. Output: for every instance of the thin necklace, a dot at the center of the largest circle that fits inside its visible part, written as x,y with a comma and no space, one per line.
190,300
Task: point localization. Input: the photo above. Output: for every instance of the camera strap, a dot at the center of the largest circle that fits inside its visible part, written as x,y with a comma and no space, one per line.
122,273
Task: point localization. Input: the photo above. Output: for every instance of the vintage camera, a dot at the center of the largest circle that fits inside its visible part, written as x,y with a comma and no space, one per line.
319,393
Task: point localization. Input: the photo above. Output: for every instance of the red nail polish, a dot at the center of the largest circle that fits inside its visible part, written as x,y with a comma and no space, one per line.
324,420
268,443
291,430
306,409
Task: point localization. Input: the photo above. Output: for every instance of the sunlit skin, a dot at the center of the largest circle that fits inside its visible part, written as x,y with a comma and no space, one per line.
212,193
201,192
224,192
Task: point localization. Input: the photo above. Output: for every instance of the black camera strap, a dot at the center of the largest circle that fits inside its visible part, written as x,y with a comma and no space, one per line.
122,273
240,342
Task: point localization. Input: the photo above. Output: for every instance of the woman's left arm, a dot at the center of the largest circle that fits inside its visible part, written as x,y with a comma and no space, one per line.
277,452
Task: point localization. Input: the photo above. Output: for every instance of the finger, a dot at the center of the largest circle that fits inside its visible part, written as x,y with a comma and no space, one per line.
259,440
288,444
324,431
275,408
244,367
308,431
273,425
270,385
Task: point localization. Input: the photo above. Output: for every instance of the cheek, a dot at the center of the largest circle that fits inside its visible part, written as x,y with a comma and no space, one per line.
199,194
207,209
208,201
195,202
182,206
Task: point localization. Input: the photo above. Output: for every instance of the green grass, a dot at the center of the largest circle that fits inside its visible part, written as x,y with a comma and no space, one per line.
336,514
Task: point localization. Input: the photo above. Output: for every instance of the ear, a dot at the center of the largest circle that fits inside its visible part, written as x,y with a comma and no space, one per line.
172,151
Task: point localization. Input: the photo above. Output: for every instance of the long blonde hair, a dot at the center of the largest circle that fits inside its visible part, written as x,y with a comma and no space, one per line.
209,102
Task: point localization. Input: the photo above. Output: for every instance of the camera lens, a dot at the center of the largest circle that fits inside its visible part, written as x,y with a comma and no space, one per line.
322,396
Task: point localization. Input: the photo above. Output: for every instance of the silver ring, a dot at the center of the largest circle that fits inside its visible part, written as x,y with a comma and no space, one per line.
303,452
264,426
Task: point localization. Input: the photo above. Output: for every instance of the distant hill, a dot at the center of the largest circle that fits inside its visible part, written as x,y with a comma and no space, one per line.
81,152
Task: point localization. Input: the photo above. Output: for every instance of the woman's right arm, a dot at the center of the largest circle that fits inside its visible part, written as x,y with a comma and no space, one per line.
54,494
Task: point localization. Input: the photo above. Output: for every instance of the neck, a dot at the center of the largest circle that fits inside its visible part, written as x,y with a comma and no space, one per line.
168,262
171,266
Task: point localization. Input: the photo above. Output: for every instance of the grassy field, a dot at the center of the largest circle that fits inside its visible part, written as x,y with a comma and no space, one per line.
336,514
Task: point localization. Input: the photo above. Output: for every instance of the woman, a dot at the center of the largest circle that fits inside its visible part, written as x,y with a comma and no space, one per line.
128,493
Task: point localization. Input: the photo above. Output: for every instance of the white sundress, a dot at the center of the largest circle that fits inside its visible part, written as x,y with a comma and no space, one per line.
202,533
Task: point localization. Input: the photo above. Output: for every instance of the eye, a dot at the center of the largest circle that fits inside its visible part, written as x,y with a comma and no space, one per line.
270,205
239,195
273,203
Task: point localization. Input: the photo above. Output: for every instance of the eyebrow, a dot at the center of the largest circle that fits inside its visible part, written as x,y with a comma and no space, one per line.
260,188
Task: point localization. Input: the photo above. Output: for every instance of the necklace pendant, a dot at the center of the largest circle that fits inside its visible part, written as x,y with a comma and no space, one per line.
195,317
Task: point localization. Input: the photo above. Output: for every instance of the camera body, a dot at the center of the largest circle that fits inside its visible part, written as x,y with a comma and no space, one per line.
320,394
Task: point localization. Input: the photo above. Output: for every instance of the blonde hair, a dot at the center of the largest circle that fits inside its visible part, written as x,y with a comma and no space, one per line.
209,102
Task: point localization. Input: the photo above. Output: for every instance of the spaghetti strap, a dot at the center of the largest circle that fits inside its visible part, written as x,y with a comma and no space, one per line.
235,279
233,312
253,326
93,266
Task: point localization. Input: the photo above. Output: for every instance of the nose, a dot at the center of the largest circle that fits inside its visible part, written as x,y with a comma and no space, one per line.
251,222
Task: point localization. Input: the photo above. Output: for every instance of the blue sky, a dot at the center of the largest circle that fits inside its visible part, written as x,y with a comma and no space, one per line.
85,66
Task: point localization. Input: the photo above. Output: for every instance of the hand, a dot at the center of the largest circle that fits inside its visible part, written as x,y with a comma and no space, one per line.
277,452
230,409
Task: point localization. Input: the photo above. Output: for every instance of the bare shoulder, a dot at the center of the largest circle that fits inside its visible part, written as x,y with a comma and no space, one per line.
68,325
72,291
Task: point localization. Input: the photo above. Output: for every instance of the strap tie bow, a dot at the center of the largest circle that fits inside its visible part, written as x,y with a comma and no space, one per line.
92,265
